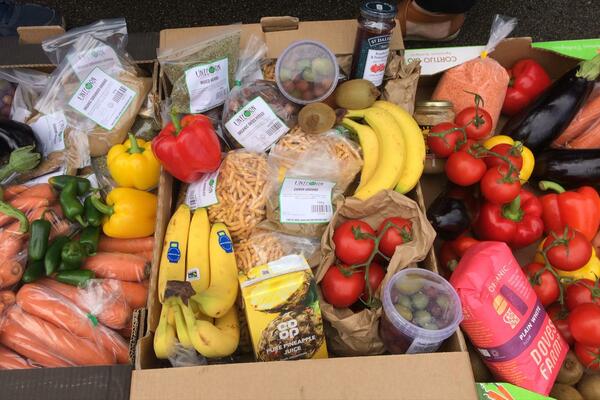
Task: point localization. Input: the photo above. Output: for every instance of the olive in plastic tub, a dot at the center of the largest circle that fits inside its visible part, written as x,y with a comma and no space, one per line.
420,311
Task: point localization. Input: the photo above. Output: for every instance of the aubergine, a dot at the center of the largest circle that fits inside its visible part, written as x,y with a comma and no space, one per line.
448,216
14,135
571,168
548,116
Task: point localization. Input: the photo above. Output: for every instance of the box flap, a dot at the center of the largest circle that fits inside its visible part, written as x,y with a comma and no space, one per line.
37,34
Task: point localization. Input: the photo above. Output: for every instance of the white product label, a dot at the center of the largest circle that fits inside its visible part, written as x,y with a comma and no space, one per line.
19,114
102,56
256,126
192,275
208,85
203,192
102,99
375,65
93,181
434,61
420,346
50,132
304,201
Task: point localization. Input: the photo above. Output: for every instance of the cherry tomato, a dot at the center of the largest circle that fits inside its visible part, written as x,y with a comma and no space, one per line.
463,243
342,290
400,233
584,323
464,169
477,126
348,248
546,287
376,275
589,356
560,318
509,151
497,188
572,252
581,292
443,146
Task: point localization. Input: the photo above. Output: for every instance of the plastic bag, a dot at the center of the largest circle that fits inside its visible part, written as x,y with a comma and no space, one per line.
203,72
30,84
11,360
483,75
184,357
256,114
582,130
100,98
7,91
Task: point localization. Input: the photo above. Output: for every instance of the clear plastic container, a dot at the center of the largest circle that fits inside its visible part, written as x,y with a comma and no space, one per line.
420,311
306,72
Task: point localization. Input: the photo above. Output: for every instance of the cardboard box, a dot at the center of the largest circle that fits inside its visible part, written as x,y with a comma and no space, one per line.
426,376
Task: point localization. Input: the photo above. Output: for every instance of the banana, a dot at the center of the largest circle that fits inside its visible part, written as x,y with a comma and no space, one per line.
172,262
391,151
370,148
164,337
222,292
181,328
198,268
415,146
220,339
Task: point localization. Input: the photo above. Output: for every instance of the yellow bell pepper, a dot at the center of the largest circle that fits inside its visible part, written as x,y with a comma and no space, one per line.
526,154
591,270
133,164
130,213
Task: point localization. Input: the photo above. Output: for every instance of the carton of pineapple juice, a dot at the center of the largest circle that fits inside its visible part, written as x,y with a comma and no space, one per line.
282,309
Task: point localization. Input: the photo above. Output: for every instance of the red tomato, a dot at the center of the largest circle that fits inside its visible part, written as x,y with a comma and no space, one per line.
589,356
463,243
348,248
376,274
499,189
342,291
584,323
546,287
469,144
464,169
445,144
571,255
581,292
509,151
560,318
477,126
400,233
448,258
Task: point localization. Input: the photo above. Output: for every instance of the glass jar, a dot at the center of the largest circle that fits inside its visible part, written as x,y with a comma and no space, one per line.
428,114
372,44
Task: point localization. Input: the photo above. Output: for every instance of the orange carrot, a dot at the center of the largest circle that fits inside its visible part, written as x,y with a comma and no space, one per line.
135,293
126,332
121,266
590,139
26,204
131,246
43,190
57,209
11,360
11,191
582,121
11,272
146,255
11,244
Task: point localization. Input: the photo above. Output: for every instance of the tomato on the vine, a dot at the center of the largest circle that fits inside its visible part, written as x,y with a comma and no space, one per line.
468,145
546,286
581,292
500,187
463,243
464,169
342,289
589,356
584,323
400,232
376,275
348,248
571,249
560,318
509,151
477,122
443,138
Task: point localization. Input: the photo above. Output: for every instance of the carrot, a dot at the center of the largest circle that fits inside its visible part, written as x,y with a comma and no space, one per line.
43,190
11,244
135,293
7,299
11,360
11,191
57,210
590,139
114,342
64,345
11,272
126,332
582,121
26,204
121,266
131,246
146,255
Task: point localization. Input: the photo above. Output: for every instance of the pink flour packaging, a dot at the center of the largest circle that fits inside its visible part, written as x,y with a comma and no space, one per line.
505,320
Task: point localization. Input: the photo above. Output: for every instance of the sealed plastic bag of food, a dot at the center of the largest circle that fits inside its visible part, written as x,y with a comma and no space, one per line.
584,130
203,72
256,114
11,360
30,84
482,75
100,98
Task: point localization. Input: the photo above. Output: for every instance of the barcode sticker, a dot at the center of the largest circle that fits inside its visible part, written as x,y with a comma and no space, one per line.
203,192
102,99
208,85
304,201
256,126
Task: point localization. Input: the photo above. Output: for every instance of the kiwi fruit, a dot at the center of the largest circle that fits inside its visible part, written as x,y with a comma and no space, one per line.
561,391
316,118
356,94
571,371
589,387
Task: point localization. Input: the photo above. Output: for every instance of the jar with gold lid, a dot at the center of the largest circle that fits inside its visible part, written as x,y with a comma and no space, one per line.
428,114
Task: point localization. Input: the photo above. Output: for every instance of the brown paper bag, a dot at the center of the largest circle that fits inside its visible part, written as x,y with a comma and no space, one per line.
356,334
401,81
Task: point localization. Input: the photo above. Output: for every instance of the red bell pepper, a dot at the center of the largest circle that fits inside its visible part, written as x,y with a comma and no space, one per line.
518,223
528,80
579,209
188,148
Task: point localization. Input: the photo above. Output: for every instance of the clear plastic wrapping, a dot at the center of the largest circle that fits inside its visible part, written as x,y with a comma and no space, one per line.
11,360
30,84
584,130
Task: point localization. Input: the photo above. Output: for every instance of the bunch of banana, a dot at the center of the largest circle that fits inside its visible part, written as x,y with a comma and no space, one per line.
203,257
393,148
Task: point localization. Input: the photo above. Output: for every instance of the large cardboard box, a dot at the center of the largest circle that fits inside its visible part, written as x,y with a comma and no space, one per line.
446,374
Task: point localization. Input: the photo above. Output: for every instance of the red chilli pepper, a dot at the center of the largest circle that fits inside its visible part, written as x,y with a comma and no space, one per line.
188,148
528,80
518,223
